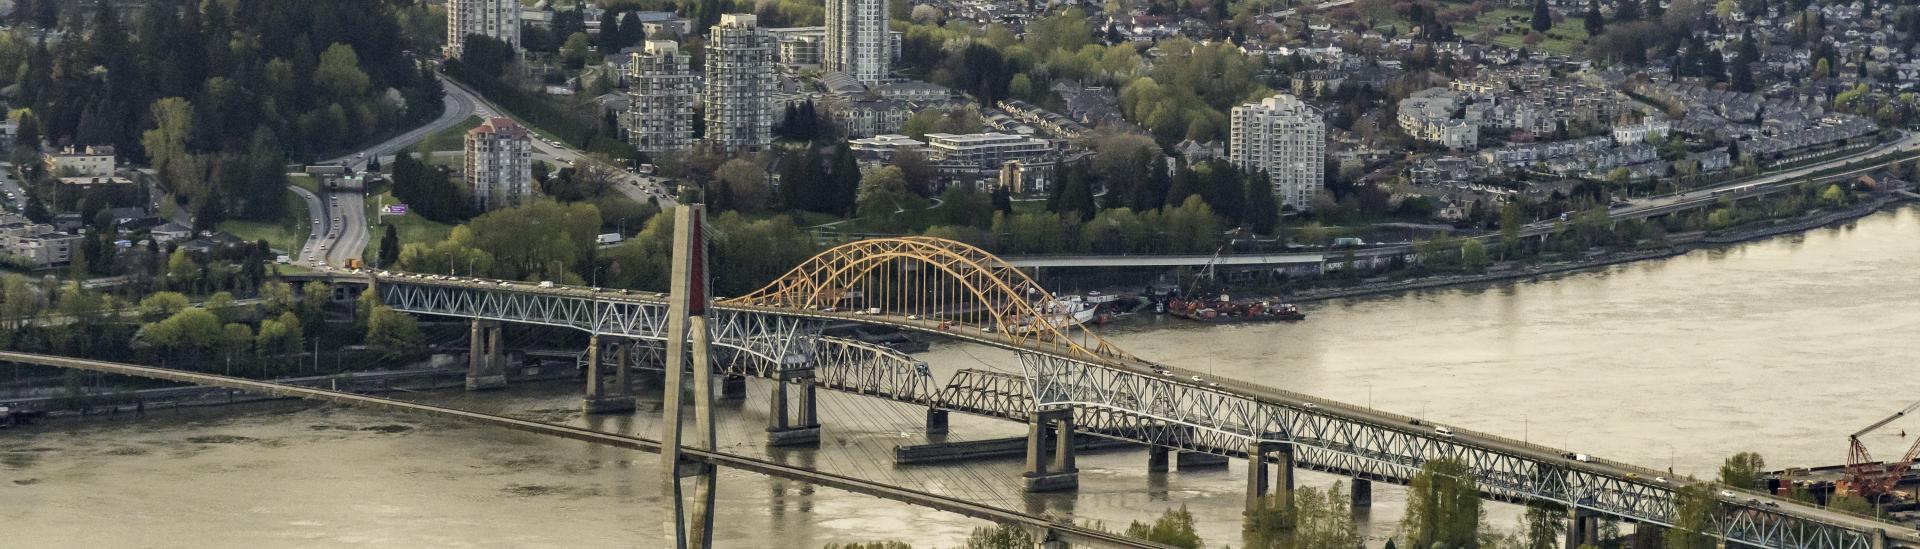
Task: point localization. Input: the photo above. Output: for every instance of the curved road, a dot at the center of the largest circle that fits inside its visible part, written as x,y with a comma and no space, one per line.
341,231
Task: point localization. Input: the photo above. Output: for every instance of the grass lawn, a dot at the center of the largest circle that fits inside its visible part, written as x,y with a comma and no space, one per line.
1567,38
305,181
451,139
412,228
285,235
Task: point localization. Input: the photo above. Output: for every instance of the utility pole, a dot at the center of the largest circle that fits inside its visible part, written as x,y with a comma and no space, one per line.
692,520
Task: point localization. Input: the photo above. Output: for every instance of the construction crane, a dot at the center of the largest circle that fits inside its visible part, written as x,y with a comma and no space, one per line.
1869,478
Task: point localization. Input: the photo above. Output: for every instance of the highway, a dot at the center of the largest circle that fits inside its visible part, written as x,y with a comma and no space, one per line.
343,231
1623,477
1066,531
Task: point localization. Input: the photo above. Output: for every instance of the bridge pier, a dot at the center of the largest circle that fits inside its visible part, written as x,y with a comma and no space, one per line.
936,421
600,398
1194,461
486,368
1583,528
733,387
798,423
1157,459
1047,473
1260,457
1361,493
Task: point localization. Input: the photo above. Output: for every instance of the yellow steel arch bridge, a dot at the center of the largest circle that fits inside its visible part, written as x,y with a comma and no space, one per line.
937,283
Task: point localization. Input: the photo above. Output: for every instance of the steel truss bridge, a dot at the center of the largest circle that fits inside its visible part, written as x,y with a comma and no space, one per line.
958,291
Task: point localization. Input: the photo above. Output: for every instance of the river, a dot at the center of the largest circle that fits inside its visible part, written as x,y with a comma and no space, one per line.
1782,346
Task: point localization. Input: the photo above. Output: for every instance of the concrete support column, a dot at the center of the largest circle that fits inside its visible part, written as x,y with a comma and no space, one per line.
1257,480
485,368
1879,539
1056,472
1157,459
602,398
1063,444
792,417
733,387
1361,493
936,421
1283,474
1583,528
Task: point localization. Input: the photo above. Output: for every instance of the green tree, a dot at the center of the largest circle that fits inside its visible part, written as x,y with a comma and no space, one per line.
883,194
281,335
1005,536
1443,506
1595,22
166,143
1542,525
392,331
1833,196
160,305
389,246
339,73
1742,470
221,305
1512,219
1473,255
1319,518
1694,506
1542,18
1174,527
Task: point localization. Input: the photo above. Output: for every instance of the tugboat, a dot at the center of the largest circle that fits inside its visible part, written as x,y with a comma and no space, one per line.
1225,310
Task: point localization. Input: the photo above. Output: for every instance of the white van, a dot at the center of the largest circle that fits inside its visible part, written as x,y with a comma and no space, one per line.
1443,431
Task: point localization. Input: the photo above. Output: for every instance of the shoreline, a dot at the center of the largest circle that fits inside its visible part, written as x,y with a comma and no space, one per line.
1683,243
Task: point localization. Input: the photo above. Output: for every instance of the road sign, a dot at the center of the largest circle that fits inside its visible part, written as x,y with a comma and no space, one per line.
394,209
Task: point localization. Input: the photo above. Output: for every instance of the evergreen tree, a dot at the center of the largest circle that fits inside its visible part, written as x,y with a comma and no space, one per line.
1076,195
1595,23
1262,208
1542,18
1002,199
1742,78
846,181
1185,183
1626,11
1653,9
389,247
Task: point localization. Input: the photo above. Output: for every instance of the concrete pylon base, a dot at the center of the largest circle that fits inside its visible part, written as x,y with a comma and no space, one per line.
486,382
607,404
1051,482
793,436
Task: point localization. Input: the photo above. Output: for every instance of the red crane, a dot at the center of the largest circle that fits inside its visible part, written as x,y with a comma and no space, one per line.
1869,478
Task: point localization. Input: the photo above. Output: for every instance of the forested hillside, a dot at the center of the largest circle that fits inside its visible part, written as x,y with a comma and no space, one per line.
218,95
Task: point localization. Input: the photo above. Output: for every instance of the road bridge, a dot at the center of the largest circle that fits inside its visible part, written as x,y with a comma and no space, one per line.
1045,529
1074,380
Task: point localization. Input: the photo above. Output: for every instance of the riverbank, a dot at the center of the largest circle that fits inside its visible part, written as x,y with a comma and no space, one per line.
1679,244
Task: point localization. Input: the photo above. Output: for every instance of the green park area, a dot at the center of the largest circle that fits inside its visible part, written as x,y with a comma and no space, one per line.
411,227
286,235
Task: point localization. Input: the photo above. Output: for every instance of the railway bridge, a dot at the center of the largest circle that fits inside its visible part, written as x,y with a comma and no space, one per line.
1075,381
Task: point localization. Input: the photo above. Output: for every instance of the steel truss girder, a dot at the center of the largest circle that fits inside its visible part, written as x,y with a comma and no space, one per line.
839,364
773,339
1150,409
